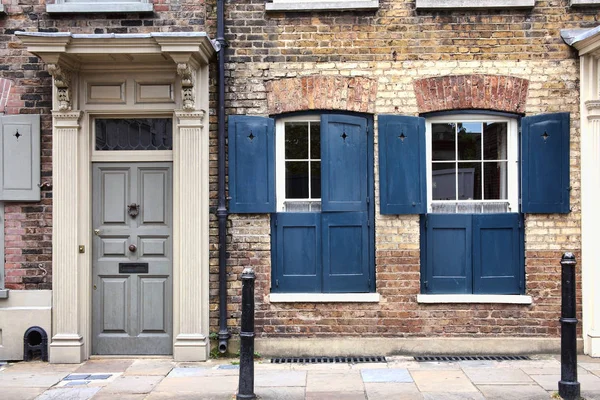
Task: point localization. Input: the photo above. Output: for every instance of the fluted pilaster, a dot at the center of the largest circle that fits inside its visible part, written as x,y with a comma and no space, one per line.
67,344
190,270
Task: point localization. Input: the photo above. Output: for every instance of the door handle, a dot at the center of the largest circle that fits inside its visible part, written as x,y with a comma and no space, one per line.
96,232
133,210
132,248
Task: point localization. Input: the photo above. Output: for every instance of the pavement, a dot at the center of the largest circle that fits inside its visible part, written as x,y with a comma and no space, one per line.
397,379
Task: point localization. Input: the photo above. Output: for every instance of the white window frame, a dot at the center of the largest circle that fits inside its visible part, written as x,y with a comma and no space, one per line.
512,148
99,6
280,158
321,5
469,4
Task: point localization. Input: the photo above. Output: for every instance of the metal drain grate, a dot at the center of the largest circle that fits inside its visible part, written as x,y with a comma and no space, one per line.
472,358
325,360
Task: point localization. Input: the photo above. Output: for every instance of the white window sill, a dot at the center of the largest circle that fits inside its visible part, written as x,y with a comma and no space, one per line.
451,4
324,297
473,298
575,3
3,293
100,7
331,5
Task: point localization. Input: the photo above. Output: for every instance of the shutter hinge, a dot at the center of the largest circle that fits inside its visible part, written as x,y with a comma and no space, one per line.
520,223
426,219
276,282
368,222
275,219
368,200
426,284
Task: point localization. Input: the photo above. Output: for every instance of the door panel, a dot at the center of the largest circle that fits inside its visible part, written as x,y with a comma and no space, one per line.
132,311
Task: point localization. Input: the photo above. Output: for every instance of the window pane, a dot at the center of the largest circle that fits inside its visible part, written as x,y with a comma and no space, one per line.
469,181
442,142
296,140
296,179
494,140
495,180
444,181
134,134
469,141
315,179
315,140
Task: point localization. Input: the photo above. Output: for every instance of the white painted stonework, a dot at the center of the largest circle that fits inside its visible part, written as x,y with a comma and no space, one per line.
588,44
101,76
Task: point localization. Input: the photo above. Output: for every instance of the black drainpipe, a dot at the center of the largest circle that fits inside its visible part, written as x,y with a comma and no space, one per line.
222,206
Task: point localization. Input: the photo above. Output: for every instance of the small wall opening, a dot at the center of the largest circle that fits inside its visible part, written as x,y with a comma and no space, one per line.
35,344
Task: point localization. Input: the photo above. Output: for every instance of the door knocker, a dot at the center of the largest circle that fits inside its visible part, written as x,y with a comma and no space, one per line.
133,210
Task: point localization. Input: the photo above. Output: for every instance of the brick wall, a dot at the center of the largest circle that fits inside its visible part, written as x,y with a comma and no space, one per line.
393,47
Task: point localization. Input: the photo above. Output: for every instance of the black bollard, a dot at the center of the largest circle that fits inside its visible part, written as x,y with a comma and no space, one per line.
246,384
568,387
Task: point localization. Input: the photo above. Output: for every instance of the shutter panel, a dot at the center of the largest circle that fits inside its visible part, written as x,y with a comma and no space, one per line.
345,252
497,258
449,268
251,164
402,165
545,163
20,168
298,253
344,163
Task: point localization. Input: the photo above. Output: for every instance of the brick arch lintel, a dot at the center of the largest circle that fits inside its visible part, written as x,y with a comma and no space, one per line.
476,91
318,92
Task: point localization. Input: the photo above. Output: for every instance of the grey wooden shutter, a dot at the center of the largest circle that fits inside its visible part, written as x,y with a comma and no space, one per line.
20,164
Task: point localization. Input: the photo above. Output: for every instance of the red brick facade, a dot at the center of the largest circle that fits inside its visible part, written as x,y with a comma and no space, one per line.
463,92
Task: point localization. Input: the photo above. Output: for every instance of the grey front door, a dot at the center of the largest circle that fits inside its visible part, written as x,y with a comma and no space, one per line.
132,258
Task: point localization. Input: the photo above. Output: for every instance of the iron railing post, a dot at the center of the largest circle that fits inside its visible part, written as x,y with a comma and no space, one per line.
568,387
246,383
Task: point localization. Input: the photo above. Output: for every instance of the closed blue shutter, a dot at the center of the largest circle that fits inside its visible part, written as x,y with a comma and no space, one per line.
449,266
297,253
345,252
545,163
251,164
402,165
344,161
497,257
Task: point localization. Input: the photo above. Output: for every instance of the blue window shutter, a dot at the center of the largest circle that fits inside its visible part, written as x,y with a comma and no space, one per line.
344,163
402,165
497,257
20,168
298,253
251,164
449,262
345,252
545,163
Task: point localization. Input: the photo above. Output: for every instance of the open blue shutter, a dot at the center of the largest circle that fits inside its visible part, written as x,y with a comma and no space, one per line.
344,163
345,252
545,163
402,177
20,168
497,258
298,253
251,164
449,267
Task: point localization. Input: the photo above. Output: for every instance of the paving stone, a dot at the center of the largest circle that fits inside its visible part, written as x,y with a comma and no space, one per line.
551,370
202,384
133,384
76,383
150,367
75,377
30,380
590,394
111,396
400,375
40,366
497,376
348,381
335,395
442,381
105,366
188,396
181,372
228,367
434,365
587,359
550,382
512,392
280,393
280,378
369,366
69,394
322,367
392,390
20,393
95,377
477,364
455,396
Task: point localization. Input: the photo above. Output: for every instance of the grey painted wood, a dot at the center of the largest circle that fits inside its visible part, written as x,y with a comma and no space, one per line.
2,248
132,312
20,157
